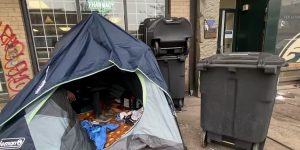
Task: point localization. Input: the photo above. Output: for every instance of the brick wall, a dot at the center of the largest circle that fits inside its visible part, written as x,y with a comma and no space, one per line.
209,9
15,59
181,8
206,9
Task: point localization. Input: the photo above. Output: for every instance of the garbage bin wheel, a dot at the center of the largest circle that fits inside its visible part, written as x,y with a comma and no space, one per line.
255,146
178,103
181,102
258,146
188,46
156,48
204,139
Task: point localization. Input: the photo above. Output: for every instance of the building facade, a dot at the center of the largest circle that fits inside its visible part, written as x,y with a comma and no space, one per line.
262,26
31,28
16,65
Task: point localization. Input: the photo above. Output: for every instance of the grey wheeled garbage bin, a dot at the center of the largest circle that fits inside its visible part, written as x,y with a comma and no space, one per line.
237,96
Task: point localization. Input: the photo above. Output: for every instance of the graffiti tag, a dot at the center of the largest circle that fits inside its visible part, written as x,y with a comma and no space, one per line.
15,66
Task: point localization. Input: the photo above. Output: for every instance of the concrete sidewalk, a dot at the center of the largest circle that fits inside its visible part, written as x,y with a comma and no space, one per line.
284,130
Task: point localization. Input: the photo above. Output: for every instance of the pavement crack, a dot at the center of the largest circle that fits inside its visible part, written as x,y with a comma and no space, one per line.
286,146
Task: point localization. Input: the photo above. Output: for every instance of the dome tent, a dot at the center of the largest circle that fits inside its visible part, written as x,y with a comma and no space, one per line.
91,47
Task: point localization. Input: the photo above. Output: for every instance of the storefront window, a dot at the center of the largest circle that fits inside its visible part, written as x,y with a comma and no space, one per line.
288,37
110,9
51,19
138,10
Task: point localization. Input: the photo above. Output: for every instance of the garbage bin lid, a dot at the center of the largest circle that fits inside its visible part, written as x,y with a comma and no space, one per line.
241,59
171,29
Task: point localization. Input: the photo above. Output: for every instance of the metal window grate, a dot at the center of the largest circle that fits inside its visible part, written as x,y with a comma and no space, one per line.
49,20
3,89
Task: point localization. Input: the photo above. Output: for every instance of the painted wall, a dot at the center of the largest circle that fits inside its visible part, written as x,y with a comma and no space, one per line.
15,59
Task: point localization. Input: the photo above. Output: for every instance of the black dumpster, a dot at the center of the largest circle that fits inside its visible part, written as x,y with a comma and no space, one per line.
169,40
237,96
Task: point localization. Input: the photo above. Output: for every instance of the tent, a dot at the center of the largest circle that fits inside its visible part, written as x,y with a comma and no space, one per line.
34,119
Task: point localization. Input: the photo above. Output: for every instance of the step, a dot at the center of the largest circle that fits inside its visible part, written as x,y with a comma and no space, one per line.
289,75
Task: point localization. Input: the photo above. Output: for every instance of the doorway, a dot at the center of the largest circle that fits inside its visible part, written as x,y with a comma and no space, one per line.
251,25
242,25
227,30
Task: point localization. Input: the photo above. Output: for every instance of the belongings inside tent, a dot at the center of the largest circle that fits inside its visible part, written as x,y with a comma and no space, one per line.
98,64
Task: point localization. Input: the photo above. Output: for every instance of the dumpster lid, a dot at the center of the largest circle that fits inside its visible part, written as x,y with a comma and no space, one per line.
254,59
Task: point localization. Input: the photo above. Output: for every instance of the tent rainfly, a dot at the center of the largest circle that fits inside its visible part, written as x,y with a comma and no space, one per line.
36,119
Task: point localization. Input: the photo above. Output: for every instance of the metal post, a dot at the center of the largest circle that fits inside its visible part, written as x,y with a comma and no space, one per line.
125,15
222,32
193,78
29,36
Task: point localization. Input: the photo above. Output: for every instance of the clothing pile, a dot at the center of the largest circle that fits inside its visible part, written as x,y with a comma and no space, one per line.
104,134
98,133
129,117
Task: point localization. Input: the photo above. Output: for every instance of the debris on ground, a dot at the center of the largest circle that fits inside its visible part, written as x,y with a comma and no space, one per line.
282,96
279,99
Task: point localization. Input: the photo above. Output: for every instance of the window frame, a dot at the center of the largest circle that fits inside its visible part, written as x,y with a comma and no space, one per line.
29,34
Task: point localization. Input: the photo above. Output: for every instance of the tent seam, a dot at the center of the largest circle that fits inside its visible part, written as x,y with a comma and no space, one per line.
174,113
141,78
34,112
52,89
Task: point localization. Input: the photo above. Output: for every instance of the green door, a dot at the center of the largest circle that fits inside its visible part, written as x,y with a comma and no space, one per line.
250,25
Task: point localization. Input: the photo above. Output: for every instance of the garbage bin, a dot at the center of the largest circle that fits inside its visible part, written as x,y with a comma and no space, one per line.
173,70
237,96
169,40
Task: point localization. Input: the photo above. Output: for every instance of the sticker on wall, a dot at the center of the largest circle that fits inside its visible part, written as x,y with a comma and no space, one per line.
228,34
210,28
291,51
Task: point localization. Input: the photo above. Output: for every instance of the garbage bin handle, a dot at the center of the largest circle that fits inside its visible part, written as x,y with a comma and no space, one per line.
260,62
172,21
268,69
203,65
